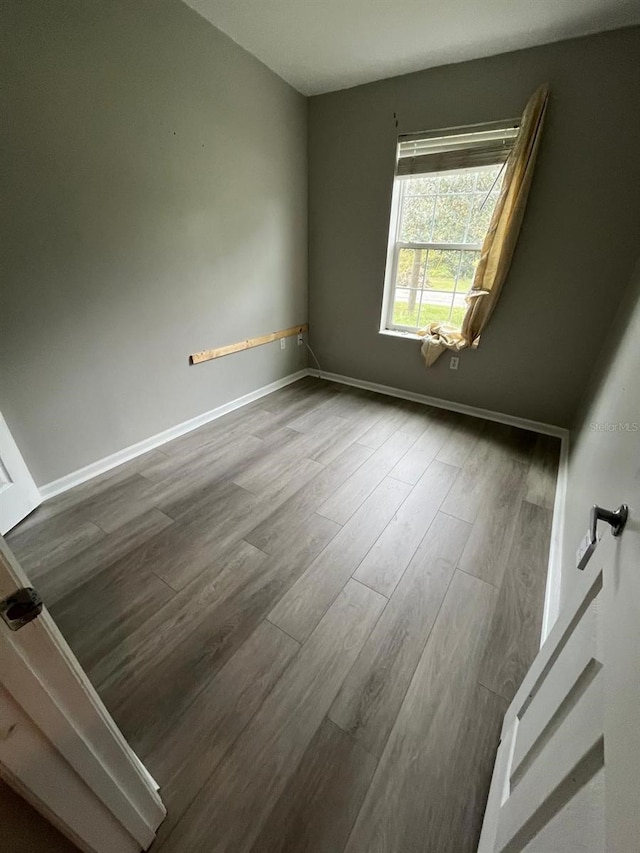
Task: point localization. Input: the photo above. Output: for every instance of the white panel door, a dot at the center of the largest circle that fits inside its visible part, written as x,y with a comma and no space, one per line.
567,773
59,747
19,495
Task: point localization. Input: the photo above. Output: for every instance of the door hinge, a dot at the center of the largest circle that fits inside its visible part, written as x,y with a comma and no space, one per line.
21,607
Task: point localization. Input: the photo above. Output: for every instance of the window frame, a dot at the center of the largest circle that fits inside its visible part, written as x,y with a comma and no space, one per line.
394,244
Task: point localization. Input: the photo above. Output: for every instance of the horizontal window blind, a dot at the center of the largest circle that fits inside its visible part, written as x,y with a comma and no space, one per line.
464,149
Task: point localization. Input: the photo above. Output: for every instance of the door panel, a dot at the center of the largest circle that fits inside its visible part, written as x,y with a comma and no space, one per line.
54,703
53,787
621,609
19,495
566,681
579,826
570,746
565,762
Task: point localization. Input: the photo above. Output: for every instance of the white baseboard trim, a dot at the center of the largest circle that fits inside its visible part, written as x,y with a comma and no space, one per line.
438,403
75,478
554,570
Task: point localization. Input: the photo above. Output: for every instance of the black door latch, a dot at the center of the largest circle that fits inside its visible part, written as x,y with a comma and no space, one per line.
21,607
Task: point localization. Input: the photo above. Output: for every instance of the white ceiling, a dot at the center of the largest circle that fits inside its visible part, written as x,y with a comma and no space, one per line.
323,45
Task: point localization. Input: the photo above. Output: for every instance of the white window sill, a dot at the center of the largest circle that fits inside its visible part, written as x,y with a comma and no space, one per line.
395,333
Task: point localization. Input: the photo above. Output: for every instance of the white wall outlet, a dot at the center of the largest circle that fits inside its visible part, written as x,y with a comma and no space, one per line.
300,339
453,364
283,343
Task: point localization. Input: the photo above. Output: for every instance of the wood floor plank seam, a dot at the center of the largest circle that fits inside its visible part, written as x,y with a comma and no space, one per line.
476,578
368,586
252,798
398,813
418,658
493,530
323,467
449,514
435,510
349,829
71,575
269,534
515,627
424,450
342,513
348,734
492,690
471,575
453,515
303,612
207,635
39,557
266,618
247,722
165,582
340,526
385,604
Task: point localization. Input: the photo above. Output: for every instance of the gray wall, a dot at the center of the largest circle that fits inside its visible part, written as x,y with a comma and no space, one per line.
604,460
576,248
156,205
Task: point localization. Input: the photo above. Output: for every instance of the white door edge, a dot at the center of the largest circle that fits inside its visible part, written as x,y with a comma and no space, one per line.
41,675
19,494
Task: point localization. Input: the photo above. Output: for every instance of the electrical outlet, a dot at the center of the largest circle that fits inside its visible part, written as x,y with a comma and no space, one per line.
300,339
453,364
283,343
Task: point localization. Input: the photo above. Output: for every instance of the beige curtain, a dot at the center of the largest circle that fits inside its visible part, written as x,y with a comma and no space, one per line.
499,244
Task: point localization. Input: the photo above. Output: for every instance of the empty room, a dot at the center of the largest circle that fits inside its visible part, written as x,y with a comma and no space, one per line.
320,427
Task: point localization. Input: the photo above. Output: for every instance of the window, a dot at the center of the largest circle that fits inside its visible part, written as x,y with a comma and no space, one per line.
445,190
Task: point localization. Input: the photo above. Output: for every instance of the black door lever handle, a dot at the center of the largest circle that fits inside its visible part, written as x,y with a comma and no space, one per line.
617,518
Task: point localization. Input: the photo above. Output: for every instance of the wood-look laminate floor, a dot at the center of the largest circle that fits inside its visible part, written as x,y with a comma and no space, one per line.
309,616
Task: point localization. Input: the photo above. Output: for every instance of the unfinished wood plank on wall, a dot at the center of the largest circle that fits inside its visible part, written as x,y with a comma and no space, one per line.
248,343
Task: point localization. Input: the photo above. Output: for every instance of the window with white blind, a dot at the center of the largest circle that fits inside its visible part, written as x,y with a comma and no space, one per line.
445,189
